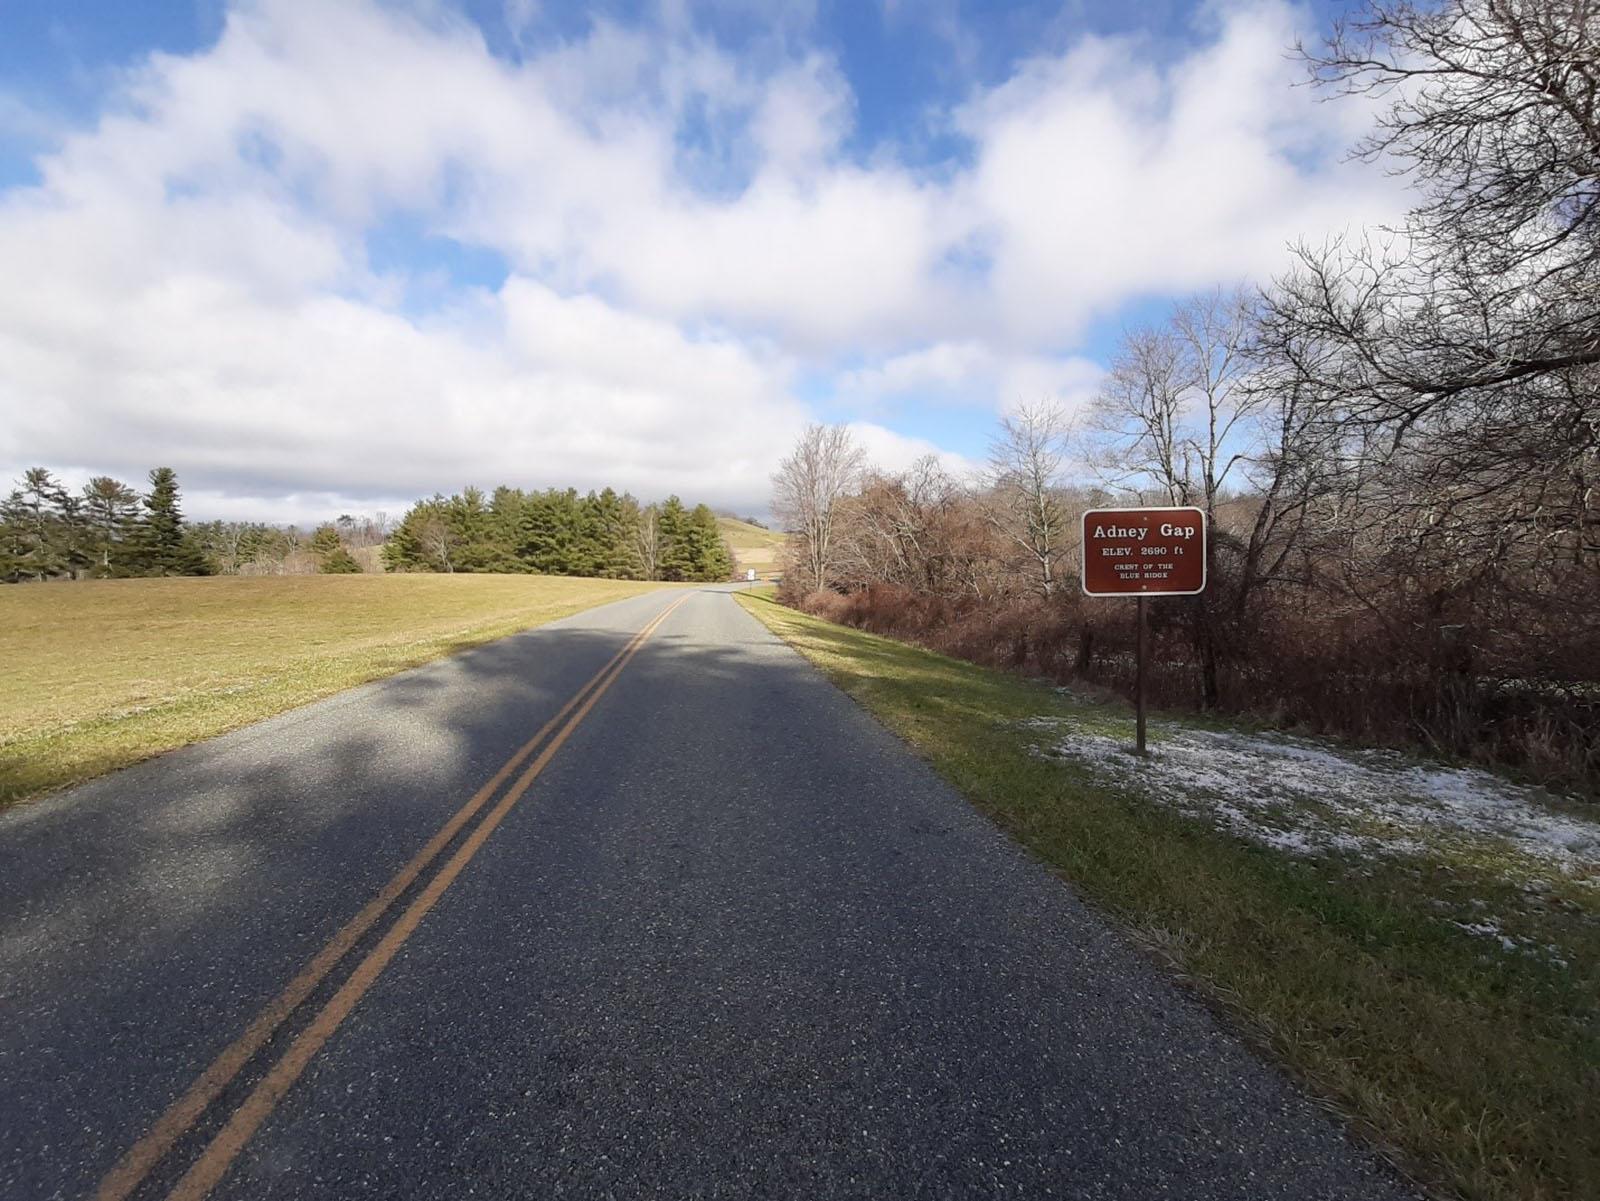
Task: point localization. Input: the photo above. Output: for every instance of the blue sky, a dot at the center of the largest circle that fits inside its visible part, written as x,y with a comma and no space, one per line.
332,254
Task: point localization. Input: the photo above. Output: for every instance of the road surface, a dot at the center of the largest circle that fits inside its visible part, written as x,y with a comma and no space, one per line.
716,934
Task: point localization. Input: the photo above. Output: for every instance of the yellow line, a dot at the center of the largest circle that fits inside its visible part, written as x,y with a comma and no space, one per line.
247,1119
130,1171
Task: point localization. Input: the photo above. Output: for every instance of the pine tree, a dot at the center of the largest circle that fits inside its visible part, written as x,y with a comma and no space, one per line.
41,537
677,552
77,546
325,540
694,546
468,515
339,561
12,538
507,507
161,546
712,557
425,539
111,509
550,534
558,532
607,545
400,551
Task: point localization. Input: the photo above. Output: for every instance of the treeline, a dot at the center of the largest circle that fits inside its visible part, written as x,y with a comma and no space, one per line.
559,532
1397,442
109,530
106,529
344,546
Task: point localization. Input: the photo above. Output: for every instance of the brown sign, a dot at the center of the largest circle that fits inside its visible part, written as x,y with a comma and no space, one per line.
1144,552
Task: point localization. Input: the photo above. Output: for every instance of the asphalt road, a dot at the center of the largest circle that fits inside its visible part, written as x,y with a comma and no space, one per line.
733,941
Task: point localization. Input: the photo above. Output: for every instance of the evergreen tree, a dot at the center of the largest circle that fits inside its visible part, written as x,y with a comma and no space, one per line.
696,550
339,561
507,507
12,538
265,545
40,535
551,533
77,549
325,540
677,554
111,509
333,557
612,536
712,557
468,516
425,539
161,546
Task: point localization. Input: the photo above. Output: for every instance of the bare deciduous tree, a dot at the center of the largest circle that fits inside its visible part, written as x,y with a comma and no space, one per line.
1024,479
647,540
913,530
1469,340
808,489
1174,415
438,540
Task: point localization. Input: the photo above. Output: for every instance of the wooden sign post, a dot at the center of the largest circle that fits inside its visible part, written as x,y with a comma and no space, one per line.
1140,553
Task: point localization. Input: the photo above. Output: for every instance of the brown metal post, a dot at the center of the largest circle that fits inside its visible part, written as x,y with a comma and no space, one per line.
1139,687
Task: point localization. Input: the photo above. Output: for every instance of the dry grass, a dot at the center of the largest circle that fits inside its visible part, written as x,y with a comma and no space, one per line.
102,674
752,546
741,535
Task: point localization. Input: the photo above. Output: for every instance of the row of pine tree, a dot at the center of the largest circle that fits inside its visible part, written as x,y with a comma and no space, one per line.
49,532
108,529
559,532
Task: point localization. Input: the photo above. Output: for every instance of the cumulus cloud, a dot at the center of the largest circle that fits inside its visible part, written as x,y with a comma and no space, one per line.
1098,179
891,451
685,236
954,373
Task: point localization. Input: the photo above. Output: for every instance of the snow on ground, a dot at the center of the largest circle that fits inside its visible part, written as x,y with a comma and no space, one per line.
1313,798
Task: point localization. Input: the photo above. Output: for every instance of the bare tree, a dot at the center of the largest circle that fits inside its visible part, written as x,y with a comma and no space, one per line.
1025,463
647,540
438,540
1175,416
808,490
912,530
1135,436
1212,331
1468,341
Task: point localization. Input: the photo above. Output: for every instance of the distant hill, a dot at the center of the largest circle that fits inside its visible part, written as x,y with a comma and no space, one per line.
742,533
752,546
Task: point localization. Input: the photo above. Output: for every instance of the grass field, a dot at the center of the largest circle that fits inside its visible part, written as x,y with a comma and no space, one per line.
102,674
1442,990
752,545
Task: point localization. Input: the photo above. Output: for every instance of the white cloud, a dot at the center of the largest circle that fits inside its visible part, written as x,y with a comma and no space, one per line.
1100,179
685,233
973,373
891,451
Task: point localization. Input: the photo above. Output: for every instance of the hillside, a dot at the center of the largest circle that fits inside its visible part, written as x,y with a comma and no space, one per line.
753,546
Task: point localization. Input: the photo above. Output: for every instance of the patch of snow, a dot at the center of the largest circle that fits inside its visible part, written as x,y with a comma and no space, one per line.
1311,798
1490,930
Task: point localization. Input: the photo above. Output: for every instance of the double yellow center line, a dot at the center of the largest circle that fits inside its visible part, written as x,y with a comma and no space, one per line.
214,1162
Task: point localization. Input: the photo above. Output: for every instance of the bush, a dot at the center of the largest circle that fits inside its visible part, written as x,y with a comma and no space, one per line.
339,562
